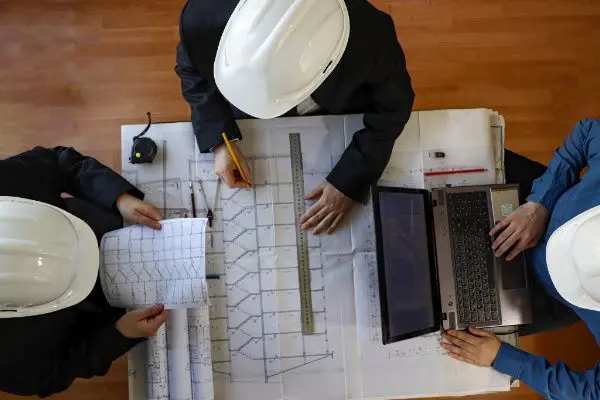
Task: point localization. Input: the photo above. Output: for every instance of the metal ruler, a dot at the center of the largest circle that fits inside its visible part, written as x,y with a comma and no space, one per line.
301,237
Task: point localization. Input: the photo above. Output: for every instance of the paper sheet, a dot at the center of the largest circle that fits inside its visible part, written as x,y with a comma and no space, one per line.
412,368
258,350
141,267
426,370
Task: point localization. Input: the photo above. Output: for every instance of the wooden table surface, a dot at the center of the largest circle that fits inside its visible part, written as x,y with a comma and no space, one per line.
71,72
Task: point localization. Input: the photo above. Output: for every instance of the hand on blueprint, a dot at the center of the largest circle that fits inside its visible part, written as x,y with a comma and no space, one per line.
330,209
227,170
521,230
142,323
135,210
476,347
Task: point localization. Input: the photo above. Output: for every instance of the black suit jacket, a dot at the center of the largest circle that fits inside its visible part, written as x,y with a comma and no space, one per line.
42,355
371,78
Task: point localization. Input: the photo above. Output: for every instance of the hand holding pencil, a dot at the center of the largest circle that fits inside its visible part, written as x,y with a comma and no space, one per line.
231,166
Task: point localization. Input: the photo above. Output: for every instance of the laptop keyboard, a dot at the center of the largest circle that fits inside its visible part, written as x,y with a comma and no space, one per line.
476,294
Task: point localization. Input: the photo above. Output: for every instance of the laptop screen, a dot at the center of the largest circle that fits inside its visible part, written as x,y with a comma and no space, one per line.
405,264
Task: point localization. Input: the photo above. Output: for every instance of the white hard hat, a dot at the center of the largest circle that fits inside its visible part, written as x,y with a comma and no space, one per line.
275,53
48,258
573,259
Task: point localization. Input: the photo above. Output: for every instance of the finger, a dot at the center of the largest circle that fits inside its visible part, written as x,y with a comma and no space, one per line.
461,358
325,223
516,250
157,321
315,219
227,176
507,245
335,223
316,193
311,212
239,182
247,172
143,220
506,233
452,349
500,226
479,332
151,311
152,213
458,342
462,336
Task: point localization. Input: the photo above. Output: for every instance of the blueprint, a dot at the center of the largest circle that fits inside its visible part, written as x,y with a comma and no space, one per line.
178,356
258,348
141,267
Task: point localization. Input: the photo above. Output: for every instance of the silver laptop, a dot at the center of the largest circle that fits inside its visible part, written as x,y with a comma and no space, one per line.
435,264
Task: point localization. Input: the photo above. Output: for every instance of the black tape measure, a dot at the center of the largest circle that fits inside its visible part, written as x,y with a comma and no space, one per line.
144,149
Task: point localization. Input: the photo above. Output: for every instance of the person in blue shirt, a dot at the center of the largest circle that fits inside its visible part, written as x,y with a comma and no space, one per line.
559,226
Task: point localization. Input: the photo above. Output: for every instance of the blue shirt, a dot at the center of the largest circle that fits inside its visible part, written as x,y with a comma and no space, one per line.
565,196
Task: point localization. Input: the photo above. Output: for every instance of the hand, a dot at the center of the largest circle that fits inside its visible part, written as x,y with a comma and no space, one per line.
135,210
326,214
522,230
226,169
477,347
143,322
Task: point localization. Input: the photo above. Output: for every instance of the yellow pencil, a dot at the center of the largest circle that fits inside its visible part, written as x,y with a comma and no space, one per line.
235,160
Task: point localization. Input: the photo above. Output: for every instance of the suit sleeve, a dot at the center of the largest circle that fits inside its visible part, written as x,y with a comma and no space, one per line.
553,381
85,357
211,114
391,104
580,149
88,179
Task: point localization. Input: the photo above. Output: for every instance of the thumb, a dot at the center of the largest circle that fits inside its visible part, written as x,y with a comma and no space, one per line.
228,176
151,311
479,332
315,194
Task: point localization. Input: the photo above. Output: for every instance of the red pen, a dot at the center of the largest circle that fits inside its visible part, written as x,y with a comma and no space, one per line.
456,172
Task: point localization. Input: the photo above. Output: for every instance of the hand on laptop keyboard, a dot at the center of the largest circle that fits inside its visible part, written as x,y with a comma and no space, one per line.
521,230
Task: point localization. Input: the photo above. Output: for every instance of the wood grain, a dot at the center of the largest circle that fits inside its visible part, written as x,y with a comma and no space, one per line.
73,71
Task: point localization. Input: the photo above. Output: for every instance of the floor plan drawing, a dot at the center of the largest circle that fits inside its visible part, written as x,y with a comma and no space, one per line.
254,324
141,266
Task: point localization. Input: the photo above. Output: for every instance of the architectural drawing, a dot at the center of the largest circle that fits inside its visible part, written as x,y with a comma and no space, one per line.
258,349
141,266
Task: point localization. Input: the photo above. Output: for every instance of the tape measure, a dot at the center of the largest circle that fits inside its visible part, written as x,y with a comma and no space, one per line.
301,237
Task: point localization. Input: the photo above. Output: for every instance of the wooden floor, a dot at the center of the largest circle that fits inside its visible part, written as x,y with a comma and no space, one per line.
73,71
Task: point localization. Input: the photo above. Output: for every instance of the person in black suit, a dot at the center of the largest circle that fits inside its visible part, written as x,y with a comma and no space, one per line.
368,76
44,352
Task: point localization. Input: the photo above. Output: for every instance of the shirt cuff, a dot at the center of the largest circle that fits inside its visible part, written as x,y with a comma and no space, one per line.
115,344
540,199
234,140
510,360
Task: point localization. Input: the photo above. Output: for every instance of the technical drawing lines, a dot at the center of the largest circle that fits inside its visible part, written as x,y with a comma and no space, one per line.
142,267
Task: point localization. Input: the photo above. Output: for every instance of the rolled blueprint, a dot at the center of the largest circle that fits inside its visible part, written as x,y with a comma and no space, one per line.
178,354
158,373
200,353
137,371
